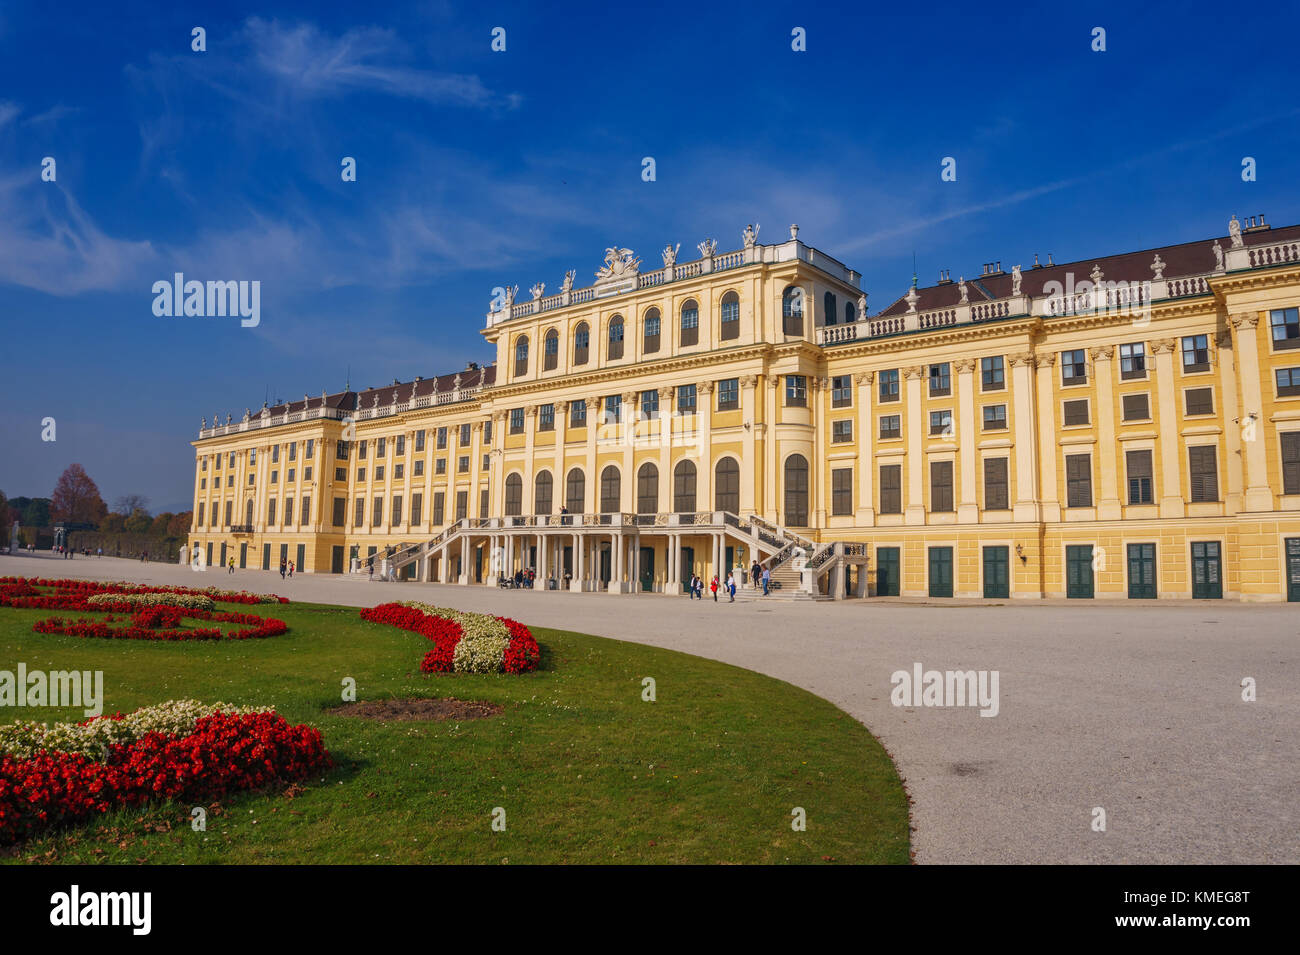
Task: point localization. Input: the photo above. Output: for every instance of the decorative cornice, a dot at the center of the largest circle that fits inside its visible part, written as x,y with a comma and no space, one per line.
749,381
705,387
1022,358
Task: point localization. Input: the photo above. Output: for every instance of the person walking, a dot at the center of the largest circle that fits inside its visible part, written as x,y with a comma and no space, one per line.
713,586
291,570
284,565
231,565
731,588
99,553
755,572
370,566
767,580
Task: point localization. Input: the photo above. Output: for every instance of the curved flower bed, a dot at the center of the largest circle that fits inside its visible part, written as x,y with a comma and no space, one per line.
219,752
463,642
154,615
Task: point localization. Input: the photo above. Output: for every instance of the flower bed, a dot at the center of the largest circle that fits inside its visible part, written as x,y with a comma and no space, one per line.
463,642
154,615
179,750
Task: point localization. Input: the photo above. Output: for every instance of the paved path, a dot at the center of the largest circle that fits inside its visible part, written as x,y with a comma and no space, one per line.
1133,707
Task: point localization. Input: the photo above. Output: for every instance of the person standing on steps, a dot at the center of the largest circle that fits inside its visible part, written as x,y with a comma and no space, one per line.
767,580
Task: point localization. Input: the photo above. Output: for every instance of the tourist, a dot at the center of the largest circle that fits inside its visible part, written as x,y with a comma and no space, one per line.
699,587
99,552
694,587
370,566
767,580
291,570
283,566
731,586
713,586
232,566
755,572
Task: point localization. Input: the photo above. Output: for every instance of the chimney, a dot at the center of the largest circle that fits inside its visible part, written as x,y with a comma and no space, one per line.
1036,262
1049,259
1255,224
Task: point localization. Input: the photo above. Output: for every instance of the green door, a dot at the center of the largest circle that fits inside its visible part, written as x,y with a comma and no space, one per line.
223,556
336,559
1207,579
302,559
688,566
1142,571
647,564
888,567
1078,571
266,556
209,563
940,571
1293,569
997,576
243,555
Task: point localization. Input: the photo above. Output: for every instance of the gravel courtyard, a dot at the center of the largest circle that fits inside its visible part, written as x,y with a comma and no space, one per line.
1134,707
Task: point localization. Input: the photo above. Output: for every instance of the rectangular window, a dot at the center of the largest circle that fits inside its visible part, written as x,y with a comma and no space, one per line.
462,505
1078,480
270,511
306,511
546,418
487,432
311,448
203,484
1074,369
377,512
362,449
275,454
1075,412
578,413
842,431
613,408
361,474
941,423
1288,381
252,477
419,469
729,394
440,466
340,474
275,477
1203,465
888,385
199,522
341,450
359,517
381,447
1196,353
487,461
1285,325
842,391
465,435
1137,407
690,324
1138,466
1290,465
401,445
379,473
289,477
650,405
439,508
252,457
686,399
996,495
1133,360
995,417
890,426
340,515
842,492
462,464
796,391
203,462
483,503
417,508
891,489
306,475
941,486
516,420
1199,401
993,376
442,439
419,440
940,380
397,508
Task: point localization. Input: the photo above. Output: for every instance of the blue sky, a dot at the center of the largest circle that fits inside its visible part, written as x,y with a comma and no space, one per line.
478,168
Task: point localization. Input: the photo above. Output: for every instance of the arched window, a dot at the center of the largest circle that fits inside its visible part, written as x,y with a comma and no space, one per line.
730,325
651,332
792,310
551,351
647,489
726,486
690,322
796,491
575,490
248,512
684,487
581,343
514,495
850,313
616,337
542,489
829,307
610,486
521,356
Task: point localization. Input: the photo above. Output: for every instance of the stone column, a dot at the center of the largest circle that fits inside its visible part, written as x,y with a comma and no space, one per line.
1259,496
915,426
1025,451
1047,431
1234,466
592,485
1108,501
967,438
497,498
1171,488
769,503
749,409
530,437
561,477
704,442
866,512
464,558
818,474
627,483
665,450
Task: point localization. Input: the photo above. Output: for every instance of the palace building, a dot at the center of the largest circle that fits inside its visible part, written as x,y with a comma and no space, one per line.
1122,426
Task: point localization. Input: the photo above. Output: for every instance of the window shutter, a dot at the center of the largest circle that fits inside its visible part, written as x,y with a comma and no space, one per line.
1291,462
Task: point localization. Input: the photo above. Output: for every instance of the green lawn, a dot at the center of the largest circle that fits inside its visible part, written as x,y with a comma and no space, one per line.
585,770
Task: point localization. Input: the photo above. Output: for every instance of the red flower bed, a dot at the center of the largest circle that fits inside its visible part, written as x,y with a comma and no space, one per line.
225,753
521,656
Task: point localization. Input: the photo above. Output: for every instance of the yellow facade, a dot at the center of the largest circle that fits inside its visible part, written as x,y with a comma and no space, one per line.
1022,444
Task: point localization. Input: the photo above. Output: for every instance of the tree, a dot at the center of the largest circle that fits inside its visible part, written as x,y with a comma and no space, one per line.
159,526
112,524
179,525
128,504
32,511
138,523
76,498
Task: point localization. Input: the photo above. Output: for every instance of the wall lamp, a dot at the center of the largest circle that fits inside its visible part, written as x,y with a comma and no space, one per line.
1020,552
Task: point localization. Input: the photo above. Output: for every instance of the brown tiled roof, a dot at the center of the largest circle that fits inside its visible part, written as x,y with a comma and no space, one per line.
1189,258
483,376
